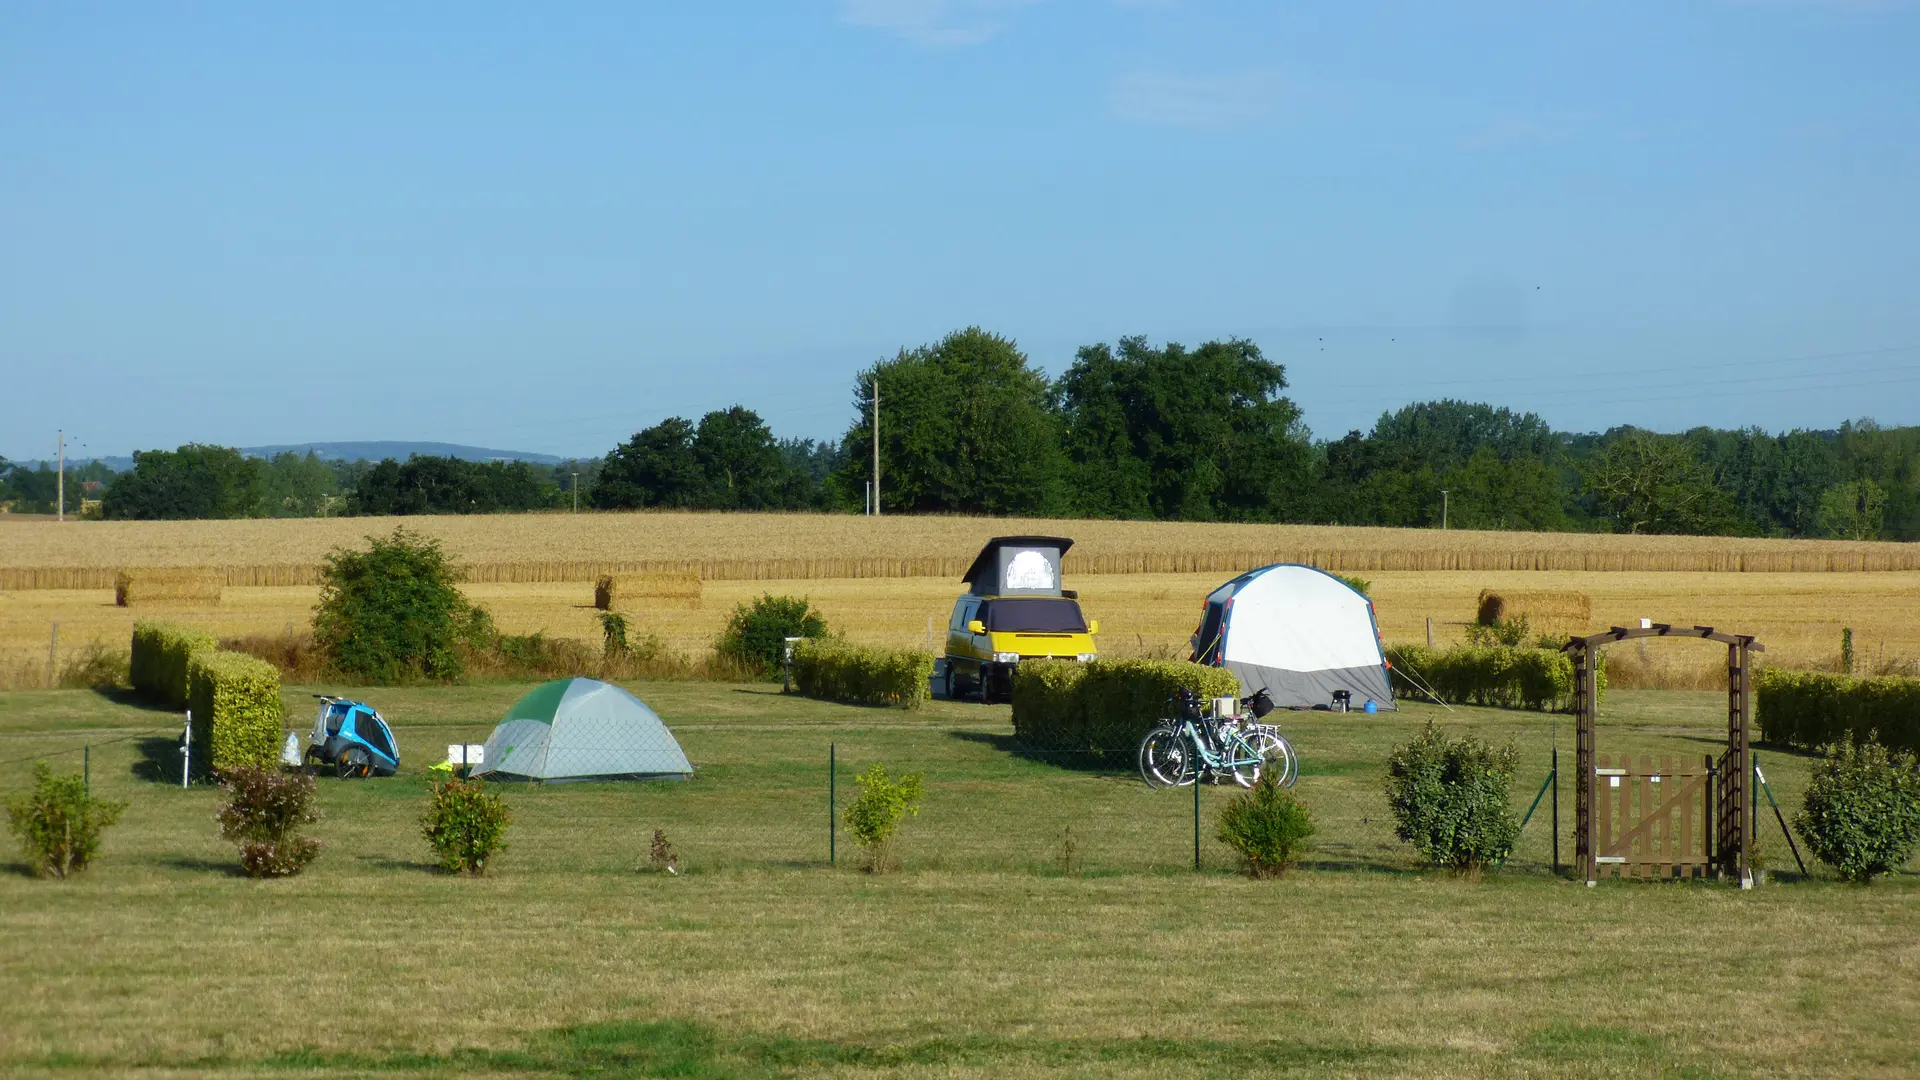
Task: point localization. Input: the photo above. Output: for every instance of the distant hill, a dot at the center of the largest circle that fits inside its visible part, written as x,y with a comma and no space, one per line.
399,451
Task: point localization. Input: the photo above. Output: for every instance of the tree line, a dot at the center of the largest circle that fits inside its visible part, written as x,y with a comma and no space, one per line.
1130,430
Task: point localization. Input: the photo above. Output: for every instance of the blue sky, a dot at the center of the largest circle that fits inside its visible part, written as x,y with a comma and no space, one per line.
541,227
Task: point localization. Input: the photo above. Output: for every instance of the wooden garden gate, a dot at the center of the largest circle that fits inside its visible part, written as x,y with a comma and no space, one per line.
1664,821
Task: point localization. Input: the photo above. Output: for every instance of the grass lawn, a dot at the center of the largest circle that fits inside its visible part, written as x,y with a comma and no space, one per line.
1048,920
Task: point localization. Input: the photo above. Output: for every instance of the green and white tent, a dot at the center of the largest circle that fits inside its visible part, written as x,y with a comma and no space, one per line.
582,729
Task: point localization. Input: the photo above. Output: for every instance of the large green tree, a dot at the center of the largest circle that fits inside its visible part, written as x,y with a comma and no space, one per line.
195,481
1180,434
965,426
728,461
1641,482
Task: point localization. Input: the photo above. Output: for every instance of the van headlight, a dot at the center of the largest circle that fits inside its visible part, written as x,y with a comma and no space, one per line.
1086,656
1006,658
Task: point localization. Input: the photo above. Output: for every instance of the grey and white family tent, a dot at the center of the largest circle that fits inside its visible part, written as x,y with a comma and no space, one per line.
582,729
1299,632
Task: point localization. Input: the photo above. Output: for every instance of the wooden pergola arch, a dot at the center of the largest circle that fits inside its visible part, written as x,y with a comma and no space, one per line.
1730,787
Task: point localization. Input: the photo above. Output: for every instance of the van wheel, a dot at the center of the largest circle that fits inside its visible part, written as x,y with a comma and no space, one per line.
986,684
946,683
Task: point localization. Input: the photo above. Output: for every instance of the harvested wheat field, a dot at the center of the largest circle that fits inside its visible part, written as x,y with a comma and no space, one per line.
524,548
893,581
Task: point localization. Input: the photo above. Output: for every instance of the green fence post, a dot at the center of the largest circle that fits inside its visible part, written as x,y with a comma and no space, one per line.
1556,809
832,772
86,768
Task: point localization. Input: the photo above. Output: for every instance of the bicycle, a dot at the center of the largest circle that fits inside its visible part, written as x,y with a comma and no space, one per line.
1182,751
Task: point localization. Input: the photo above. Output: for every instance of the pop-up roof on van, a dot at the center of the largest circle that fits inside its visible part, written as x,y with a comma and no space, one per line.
1018,566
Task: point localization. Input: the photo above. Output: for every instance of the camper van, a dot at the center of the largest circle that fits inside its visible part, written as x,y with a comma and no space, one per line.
1014,609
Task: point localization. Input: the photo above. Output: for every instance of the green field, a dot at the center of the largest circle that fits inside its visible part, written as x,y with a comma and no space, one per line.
1048,920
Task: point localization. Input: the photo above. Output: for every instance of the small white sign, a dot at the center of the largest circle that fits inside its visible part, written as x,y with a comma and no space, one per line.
1646,624
466,753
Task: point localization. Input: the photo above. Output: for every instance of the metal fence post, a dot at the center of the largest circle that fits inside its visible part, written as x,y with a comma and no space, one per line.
86,768
832,804
1556,809
1196,822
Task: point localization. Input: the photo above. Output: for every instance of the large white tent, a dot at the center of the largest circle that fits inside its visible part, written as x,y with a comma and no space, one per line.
1298,632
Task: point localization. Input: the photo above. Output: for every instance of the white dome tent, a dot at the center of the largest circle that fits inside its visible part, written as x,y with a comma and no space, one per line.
582,729
1300,633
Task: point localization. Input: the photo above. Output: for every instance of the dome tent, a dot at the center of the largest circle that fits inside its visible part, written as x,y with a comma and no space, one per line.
582,729
1300,632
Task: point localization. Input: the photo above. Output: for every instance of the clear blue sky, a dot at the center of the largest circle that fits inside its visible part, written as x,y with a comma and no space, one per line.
542,226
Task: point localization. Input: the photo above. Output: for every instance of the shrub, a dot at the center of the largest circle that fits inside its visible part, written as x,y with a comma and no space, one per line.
1493,675
862,675
1103,707
756,633
265,811
158,666
1810,709
466,824
96,665
1267,826
393,612
60,823
1862,810
1359,585
660,853
238,717
1449,799
876,816
1508,632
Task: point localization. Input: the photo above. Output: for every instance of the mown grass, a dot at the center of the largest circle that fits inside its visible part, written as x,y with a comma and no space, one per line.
988,956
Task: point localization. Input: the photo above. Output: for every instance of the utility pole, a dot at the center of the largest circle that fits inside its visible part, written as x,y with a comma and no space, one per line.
876,442
1443,508
576,492
61,483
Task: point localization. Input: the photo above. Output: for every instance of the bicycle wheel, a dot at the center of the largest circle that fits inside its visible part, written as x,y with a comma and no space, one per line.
1242,758
1277,752
1165,759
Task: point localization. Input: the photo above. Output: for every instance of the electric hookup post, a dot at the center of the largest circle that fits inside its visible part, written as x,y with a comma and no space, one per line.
186,752
786,665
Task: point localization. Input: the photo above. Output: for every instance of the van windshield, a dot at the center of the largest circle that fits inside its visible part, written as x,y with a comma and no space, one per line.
1036,615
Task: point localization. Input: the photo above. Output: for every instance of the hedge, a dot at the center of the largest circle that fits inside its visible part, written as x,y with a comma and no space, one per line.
161,652
1810,709
1495,675
1103,708
238,717
861,674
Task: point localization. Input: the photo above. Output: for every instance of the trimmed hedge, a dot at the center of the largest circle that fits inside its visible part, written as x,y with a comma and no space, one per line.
1494,675
1103,707
238,717
861,674
161,652
1809,709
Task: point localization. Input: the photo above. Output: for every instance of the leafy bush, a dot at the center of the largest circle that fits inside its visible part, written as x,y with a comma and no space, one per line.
465,824
1810,709
95,666
265,811
393,612
1359,585
238,716
862,675
1493,675
1267,825
1507,632
876,816
1103,708
158,667
1449,799
1862,810
60,823
756,633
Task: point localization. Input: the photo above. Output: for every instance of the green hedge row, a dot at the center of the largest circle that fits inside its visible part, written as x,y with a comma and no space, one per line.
161,652
1810,709
238,717
860,674
1495,675
1103,708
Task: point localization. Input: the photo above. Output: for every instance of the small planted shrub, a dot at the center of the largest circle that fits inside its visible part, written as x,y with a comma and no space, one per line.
1267,826
465,823
756,633
876,816
862,674
60,823
660,854
1450,799
1862,810
265,811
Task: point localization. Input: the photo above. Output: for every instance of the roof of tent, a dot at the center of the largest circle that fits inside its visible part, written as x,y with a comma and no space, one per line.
1302,633
580,729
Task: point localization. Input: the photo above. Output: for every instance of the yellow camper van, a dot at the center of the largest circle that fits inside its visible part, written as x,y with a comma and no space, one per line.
1014,609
